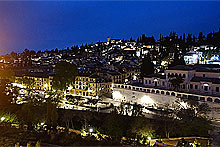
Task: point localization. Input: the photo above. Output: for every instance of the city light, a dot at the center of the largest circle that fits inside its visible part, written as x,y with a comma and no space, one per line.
2,118
117,95
183,104
90,130
146,100
69,88
148,138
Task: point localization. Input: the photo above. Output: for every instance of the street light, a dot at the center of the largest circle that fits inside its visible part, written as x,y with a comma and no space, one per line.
90,130
148,138
2,118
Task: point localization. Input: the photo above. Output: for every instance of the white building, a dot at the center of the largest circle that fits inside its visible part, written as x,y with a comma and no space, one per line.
193,57
198,79
158,98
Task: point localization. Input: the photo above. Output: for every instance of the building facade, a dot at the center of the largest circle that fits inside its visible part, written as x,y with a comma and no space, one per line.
202,79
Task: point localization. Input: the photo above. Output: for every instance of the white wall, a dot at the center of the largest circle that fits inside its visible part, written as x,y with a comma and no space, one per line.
127,95
151,99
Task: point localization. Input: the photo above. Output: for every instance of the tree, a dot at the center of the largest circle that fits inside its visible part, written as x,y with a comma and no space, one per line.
114,125
201,38
147,67
7,74
178,60
67,118
141,127
51,116
175,81
5,100
27,115
209,54
137,110
65,74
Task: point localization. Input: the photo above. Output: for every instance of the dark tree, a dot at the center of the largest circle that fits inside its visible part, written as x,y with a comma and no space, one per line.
201,38
147,66
65,74
178,60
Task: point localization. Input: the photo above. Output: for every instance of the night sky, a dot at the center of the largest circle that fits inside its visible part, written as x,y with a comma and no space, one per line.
47,25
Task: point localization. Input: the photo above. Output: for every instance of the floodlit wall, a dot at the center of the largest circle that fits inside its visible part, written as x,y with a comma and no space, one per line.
149,99
160,97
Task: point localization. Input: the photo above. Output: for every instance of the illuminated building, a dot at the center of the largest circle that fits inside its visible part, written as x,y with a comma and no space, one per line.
90,86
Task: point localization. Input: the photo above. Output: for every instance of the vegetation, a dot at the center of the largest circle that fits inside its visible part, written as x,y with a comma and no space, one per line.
65,75
176,81
147,67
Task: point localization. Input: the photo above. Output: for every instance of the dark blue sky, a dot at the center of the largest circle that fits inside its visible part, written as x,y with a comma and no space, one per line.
47,25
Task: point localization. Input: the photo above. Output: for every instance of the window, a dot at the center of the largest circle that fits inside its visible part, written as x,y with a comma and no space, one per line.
217,100
178,95
206,88
184,75
202,98
209,99
163,83
145,81
183,86
191,86
203,75
149,81
217,89
196,86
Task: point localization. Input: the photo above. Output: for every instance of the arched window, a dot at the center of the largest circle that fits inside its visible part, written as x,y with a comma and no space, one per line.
173,94
209,99
217,100
157,91
184,75
202,99
162,92
167,93
178,95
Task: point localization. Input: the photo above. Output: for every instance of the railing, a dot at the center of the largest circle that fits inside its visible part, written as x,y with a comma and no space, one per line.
169,93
